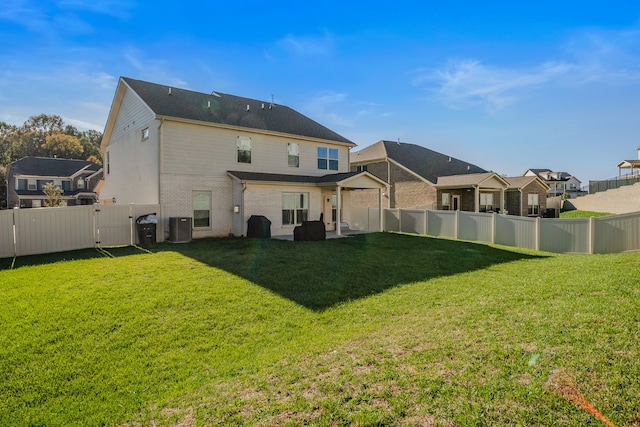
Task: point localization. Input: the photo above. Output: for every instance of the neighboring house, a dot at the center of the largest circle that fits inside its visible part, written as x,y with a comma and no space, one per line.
412,172
79,180
632,165
526,196
219,159
559,182
474,192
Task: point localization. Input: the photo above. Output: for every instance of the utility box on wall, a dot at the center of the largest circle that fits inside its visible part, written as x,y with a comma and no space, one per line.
180,229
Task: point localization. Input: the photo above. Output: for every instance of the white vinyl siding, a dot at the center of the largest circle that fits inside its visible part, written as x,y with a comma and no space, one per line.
210,151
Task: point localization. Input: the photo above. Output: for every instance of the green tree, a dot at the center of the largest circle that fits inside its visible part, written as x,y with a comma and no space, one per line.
8,133
54,195
63,146
3,187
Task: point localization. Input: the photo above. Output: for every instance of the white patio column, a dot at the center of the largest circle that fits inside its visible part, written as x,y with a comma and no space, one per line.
477,198
502,200
338,209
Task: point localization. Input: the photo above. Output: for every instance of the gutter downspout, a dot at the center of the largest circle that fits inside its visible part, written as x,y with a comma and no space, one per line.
160,170
244,187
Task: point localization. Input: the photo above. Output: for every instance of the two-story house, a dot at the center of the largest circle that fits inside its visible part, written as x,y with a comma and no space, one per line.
79,180
219,159
559,182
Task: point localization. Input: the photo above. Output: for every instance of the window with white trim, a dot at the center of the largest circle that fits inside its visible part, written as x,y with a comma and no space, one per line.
145,133
295,208
486,202
243,144
293,155
328,158
32,185
533,204
80,183
201,201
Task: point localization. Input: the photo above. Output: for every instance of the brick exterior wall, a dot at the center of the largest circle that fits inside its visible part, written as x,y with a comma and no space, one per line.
517,202
406,190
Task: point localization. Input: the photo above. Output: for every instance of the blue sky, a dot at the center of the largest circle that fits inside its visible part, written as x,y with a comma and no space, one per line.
505,85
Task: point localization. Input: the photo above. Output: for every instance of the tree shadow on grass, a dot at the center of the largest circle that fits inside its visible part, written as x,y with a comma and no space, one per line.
319,275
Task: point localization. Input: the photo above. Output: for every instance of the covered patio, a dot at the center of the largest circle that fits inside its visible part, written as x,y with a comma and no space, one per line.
475,192
316,197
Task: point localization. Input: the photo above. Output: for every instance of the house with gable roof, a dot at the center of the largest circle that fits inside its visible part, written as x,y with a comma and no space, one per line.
526,196
219,159
423,178
559,182
78,179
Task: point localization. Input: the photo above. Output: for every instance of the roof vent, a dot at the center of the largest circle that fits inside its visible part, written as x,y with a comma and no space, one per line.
449,159
169,91
215,94
263,105
468,167
208,104
248,107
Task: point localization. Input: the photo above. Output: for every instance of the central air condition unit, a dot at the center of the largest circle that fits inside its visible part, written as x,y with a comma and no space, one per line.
179,229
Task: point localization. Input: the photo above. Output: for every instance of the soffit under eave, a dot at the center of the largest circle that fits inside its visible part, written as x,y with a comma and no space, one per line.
254,130
362,181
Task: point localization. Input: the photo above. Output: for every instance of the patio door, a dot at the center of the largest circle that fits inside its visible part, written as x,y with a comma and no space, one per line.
330,210
455,202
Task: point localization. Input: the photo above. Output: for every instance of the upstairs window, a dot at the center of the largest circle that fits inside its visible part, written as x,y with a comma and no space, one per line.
57,183
243,144
81,183
328,158
32,185
361,168
293,155
145,133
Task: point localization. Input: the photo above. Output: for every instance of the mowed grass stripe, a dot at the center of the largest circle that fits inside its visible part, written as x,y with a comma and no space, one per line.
379,329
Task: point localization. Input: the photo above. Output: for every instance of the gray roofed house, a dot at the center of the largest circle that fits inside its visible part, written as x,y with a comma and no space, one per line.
559,182
220,158
411,170
79,180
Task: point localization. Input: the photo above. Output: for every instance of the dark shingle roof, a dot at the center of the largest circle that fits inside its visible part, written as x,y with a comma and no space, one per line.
50,167
229,110
427,163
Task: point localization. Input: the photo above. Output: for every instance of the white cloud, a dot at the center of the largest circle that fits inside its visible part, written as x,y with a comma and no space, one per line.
590,56
308,46
469,83
324,106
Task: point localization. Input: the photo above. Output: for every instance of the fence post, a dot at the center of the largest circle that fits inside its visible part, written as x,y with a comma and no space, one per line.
537,233
493,227
426,222
15,241
456,225
592,235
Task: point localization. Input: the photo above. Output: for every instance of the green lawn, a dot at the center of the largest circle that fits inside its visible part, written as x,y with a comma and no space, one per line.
377,329
582,214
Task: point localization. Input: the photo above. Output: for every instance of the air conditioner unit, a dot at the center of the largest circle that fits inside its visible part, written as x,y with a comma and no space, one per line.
179,229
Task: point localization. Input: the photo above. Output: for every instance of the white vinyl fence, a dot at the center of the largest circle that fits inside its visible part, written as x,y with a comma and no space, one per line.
44,230
610,234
